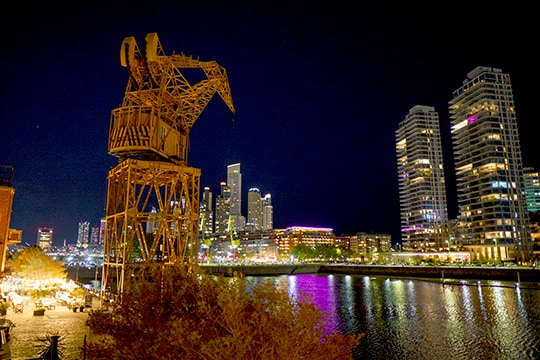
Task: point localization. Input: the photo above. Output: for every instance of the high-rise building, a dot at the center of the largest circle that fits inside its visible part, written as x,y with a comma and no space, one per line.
94,235
268,213
255,209
234,181
153,221
45,237
493,212
83,234
531,179
102,225
223,208
206,213
422,191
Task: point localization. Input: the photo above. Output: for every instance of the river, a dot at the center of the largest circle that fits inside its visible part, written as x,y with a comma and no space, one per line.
424,319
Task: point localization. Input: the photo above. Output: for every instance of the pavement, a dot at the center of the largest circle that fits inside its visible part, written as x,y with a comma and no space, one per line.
29,329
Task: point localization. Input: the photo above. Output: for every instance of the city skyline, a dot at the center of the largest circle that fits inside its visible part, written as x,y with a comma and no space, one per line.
319,92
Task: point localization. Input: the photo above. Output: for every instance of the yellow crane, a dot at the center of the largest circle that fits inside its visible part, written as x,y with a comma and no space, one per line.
149,134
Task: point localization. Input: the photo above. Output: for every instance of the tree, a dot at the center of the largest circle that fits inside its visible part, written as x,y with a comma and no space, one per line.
33,264
171,312
303,252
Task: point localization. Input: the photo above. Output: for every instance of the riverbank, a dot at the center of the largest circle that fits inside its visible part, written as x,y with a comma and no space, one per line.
446,273
517,274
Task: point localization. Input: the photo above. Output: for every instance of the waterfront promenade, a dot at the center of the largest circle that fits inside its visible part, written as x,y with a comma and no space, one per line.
60,321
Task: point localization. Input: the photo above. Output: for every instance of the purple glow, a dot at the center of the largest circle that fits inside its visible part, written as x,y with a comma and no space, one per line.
472,119
308,228
412,228
305,284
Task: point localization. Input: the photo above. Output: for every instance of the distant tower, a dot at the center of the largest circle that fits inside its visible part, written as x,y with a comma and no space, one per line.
83,234
255,208
532,189
268,213
223,208
422,192
102,224
45,237
207,215
94,235
153,221
489,171
234,181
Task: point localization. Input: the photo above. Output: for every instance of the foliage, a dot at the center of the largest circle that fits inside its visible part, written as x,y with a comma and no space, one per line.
316,252
4,305
38,294
303,251
171,312
33,264
77,293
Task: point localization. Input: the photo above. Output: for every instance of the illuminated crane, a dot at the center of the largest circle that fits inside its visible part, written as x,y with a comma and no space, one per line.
149,134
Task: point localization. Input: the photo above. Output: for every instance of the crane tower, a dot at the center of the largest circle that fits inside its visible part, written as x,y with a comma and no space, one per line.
149,134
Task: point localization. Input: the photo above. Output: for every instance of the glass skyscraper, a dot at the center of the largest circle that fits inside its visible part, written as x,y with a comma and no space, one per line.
83,234
255,209
223,208
493,219
268,212
422,191
234,181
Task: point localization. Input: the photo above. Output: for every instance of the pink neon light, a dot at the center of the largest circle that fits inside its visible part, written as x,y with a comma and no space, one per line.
472,119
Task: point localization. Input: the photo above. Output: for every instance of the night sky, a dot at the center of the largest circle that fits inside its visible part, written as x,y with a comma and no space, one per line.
319,91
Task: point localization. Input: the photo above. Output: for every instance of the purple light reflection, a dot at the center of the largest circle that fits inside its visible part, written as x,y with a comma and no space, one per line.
310,285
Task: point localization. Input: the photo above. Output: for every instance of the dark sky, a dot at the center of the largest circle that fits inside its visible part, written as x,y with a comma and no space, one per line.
319,90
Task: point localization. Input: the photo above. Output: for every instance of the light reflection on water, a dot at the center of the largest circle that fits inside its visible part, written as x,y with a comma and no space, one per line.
414,319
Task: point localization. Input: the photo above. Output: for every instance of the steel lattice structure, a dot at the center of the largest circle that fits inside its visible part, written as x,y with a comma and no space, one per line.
149,134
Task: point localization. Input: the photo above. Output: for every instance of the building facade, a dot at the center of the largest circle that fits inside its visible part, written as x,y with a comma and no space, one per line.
531,180
206,213
234,181
287,239
83,234
94,235
493,212
255,209
45,237
268,212
223,209
422,189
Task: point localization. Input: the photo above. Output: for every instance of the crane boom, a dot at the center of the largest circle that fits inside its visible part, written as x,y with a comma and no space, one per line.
160,105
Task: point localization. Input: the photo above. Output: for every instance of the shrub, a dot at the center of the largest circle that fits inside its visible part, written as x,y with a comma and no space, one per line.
174,312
